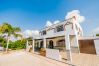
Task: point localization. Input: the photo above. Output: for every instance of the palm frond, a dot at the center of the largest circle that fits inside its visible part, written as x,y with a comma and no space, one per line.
16,29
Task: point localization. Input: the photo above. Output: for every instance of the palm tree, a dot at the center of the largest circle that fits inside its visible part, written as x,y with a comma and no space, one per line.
9,30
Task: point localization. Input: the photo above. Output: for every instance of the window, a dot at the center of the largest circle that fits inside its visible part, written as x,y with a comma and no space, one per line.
59,28
60,45
43,32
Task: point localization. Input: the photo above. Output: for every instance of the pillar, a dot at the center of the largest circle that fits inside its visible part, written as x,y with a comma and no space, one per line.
33,45
27,45
77,44
68,48
38,43
44,41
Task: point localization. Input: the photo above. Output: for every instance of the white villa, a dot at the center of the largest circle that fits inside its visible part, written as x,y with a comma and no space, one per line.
62,39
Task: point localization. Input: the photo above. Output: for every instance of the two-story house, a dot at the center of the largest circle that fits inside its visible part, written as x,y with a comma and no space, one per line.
61,36
62,39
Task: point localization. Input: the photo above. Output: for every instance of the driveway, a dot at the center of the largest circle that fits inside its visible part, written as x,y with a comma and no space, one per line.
22,58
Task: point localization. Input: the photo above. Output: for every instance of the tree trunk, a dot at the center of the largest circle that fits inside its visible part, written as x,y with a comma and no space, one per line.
7,44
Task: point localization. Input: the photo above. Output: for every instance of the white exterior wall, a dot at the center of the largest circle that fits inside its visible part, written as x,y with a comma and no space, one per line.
54,54
96,42
50,32
73,41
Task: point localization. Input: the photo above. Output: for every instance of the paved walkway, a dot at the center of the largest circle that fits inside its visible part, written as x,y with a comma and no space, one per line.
85,59
22,58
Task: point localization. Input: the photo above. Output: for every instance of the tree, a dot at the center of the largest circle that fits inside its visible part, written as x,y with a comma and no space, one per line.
97,34
2,41
9,30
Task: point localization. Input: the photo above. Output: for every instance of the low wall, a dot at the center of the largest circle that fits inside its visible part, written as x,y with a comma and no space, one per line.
97,46
87,46
53,54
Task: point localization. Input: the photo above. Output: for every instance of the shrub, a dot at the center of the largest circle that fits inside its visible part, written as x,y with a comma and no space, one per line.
97,34
15,45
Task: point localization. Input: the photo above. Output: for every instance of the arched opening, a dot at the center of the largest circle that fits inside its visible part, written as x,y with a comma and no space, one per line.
37,46
51,46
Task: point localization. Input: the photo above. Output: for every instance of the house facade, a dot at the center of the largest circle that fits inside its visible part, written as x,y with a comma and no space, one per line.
62,39
61,36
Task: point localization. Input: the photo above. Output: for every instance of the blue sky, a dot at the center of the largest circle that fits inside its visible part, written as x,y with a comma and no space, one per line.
33,14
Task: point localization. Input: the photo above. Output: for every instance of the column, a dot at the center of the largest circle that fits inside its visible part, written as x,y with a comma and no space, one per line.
44,40
77,44
33,45
27,45
68,48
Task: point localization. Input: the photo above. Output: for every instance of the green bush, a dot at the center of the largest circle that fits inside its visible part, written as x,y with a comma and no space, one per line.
2,42
16,45
97,34
4,45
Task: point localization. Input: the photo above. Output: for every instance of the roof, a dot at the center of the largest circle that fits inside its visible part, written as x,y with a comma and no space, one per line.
61,22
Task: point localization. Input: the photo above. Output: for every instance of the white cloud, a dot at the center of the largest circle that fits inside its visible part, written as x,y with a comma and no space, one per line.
96,30
30,33
48,23
75,13
25,34
55,22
